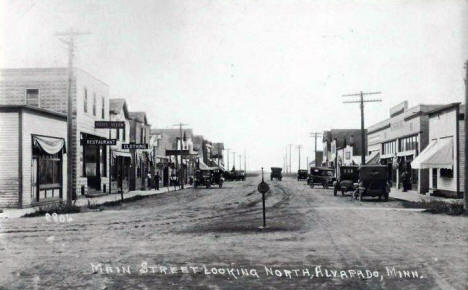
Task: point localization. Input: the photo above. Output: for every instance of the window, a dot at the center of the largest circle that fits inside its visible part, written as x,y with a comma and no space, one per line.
85,102
123,134
32,97
118,134
142,135
409,143
103,107
389,147
94,104
445,172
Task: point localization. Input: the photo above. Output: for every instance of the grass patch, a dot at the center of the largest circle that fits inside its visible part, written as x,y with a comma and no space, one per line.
60,208
119,202
437,207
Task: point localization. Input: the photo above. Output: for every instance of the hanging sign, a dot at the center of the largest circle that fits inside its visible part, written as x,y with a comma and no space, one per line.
134,146
98,141
109,124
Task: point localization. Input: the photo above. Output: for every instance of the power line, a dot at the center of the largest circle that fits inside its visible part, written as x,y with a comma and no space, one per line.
361,101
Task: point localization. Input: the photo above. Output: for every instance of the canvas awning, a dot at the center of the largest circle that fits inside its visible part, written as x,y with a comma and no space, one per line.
438,154
373,158
203,166
122,154
49,145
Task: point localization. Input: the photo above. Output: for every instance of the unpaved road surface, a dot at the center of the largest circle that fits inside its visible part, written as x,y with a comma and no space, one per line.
210,238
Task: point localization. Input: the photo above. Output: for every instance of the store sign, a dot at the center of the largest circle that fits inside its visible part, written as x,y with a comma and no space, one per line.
134,146
177,152
109,124
98,141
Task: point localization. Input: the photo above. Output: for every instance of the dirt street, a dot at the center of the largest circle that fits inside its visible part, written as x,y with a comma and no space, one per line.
209,239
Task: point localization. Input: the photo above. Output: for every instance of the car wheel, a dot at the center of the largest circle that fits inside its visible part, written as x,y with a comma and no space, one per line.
386,197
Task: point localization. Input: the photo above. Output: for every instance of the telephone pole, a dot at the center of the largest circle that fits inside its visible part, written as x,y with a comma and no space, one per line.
361,101
227,154
290,145
245,161
233,159
465,193
315,135
181,173
299,149
69,39
240,161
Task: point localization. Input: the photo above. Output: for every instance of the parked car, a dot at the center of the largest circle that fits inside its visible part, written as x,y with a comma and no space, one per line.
240,175
320,176
217,178
302,174
276,173
348,176
373,181
203,177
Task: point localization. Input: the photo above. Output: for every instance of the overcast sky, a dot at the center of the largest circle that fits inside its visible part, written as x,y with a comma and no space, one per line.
257,74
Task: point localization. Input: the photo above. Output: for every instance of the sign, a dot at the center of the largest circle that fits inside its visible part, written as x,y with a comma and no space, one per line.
177,152
263,187
98,141
109,124
134,146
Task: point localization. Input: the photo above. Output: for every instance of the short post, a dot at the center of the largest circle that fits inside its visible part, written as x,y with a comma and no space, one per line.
263,188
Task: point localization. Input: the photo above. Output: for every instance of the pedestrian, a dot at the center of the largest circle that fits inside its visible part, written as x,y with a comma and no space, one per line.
404,180
148,181
156,181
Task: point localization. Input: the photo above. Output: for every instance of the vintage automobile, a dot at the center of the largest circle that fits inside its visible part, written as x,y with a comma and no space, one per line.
348,176
217,178
302,174
320,176
276,173
240,175
203,177
373,181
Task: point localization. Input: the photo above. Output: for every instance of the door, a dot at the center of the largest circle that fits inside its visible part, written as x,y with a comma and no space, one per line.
434,178
34,192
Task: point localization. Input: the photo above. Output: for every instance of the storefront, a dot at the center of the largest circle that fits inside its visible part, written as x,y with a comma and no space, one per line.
121,166
94,165
32,159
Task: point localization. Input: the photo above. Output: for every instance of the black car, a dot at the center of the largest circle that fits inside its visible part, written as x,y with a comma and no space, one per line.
276,173
320,176
373,181
302,174
203,177
348,176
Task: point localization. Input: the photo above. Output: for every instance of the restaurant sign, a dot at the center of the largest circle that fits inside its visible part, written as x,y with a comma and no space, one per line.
98,141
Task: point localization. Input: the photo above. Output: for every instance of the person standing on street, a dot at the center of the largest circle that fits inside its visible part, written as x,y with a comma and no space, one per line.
156,181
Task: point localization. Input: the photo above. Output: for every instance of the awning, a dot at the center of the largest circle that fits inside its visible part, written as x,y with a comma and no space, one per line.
203,166
373,158
122,154
438,154
49,145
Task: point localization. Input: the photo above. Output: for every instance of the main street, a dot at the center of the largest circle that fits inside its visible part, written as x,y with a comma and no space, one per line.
211,239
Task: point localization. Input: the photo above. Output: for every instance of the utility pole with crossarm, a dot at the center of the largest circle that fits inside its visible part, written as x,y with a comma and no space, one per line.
361,101
68,38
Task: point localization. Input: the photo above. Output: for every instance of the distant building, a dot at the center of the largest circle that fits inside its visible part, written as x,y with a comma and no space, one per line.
444,156
342,146
399,139
32,156
47,88
140,133
121,158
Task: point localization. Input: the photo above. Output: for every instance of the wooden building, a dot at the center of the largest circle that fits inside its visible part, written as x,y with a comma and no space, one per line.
46,88
32,156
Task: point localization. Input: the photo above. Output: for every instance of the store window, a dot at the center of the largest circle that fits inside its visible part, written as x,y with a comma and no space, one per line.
85,100
408,143
103,107
94,104
32,97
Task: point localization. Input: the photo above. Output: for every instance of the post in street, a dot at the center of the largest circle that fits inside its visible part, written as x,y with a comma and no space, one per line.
263,188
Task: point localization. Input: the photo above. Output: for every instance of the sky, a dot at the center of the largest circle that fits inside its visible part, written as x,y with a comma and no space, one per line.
255,74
